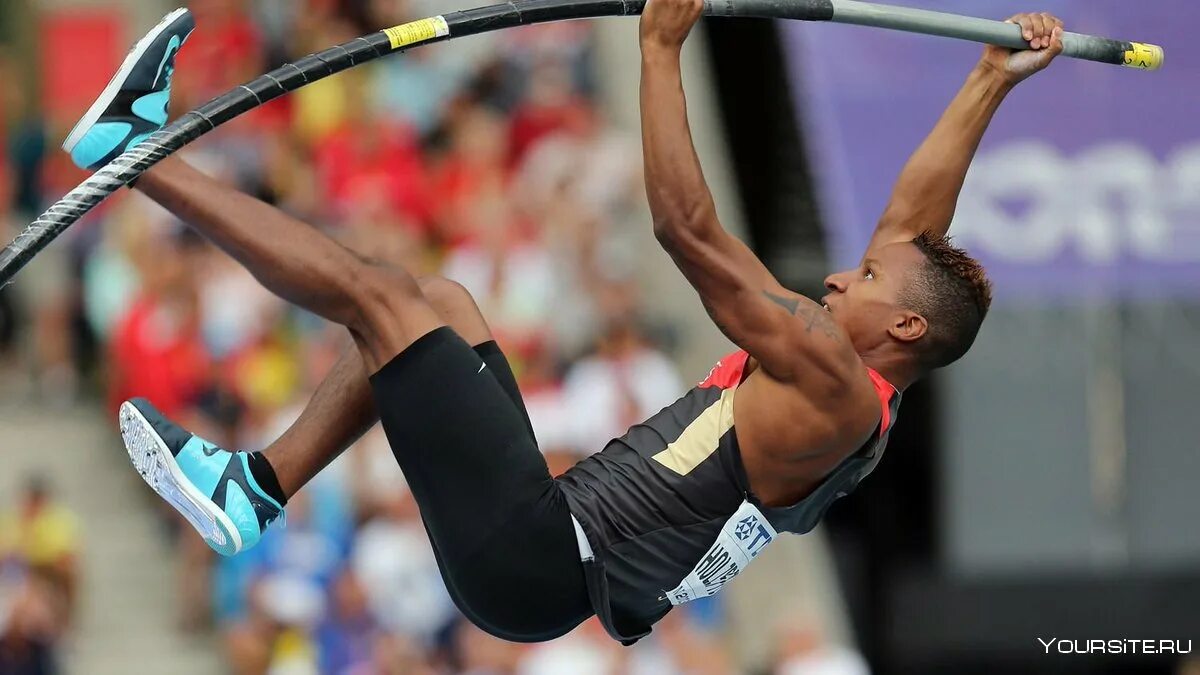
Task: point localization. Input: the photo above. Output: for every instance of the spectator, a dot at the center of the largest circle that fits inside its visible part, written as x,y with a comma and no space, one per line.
276,637
346,637
41,536
548,107
623,382
30,626
157,349
393,558
802,648
482,654
396,655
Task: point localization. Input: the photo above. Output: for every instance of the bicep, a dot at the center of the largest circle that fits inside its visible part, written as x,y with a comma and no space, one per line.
781,329
902,222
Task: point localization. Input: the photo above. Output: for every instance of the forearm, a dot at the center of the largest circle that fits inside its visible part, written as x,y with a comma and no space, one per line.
680,201
926,193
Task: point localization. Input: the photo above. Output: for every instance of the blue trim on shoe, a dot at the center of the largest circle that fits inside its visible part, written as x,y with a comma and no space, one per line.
239,509
152,107
100,140
199,461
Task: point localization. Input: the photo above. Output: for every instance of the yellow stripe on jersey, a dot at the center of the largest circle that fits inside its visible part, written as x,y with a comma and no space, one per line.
700,439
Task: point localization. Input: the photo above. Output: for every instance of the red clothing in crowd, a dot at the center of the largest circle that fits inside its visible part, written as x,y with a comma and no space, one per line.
358,163
532,122
157,353
225,52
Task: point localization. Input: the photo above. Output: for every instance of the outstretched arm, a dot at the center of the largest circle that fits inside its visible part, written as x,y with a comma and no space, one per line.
779,328
927,191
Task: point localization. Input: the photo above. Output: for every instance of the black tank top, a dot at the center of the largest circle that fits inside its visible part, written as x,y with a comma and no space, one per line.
667,508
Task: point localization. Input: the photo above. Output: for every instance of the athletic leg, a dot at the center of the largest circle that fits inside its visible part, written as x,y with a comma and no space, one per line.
341,410
499,524
381,305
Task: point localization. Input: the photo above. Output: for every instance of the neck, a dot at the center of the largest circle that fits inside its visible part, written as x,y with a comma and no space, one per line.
897,369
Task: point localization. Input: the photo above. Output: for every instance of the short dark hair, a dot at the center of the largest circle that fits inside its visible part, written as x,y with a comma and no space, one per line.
953,293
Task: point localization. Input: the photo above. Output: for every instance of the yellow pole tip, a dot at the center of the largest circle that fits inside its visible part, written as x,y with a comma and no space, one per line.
1144,56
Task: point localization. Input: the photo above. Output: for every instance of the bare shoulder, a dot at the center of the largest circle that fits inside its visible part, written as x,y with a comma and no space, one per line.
822,354
816,413
792,436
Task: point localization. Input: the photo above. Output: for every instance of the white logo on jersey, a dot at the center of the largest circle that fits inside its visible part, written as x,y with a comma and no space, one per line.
739,542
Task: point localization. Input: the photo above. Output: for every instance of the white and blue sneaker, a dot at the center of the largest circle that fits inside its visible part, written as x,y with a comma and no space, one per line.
211,487
134,104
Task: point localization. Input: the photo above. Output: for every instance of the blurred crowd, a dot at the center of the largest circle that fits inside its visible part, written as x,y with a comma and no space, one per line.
489,162
39,579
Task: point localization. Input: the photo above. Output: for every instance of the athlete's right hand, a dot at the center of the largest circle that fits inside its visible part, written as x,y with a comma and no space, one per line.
666,23
1043,31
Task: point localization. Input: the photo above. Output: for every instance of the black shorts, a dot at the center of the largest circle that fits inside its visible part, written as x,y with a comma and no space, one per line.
499,523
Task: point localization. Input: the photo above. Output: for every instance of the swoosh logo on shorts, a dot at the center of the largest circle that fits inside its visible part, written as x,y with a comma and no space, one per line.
172,47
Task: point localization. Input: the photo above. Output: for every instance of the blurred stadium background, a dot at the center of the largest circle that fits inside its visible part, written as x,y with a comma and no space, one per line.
1045,487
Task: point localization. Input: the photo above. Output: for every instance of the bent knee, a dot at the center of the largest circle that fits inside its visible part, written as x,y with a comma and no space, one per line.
456,307
442,292
382,295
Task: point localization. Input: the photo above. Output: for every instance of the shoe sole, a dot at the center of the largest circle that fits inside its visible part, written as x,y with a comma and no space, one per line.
157,466
106,98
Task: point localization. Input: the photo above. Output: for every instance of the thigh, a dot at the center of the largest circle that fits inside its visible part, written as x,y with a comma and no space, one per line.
498,522
498,366
456,308
463,445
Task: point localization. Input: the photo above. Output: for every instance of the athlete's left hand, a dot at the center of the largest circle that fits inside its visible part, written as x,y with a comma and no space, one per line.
666,23
1043,31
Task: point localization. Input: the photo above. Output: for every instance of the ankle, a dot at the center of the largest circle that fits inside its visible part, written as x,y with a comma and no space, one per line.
264,474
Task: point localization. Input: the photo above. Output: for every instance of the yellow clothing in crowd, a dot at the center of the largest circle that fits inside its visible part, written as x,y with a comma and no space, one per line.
41,540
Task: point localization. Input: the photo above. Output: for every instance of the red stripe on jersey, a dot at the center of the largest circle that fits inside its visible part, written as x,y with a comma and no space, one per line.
885,391
728,371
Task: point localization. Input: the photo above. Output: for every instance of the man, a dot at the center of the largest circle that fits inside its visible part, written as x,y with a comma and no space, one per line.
42,536
681,503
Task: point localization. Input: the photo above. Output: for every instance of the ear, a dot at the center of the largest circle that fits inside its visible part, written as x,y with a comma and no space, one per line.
908,326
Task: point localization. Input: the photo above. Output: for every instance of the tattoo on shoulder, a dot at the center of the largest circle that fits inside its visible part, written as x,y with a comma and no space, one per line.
814,317
790,304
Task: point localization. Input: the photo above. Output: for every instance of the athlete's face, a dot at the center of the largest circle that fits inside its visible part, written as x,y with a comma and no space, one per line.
865,300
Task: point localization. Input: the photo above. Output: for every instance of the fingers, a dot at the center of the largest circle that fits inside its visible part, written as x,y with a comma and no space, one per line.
1053,30
667,22
1026,24
1056,43
1039,29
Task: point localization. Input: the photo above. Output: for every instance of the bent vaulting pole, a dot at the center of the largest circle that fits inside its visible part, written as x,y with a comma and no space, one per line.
289,77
